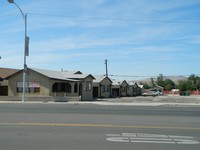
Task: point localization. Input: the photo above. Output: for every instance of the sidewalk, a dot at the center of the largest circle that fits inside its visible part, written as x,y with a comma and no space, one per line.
152,101
129,101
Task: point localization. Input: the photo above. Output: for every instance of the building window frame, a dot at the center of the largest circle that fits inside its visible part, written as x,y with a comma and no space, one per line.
88,86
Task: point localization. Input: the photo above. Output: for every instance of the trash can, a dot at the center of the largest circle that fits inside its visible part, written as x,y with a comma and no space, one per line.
182,93
187,93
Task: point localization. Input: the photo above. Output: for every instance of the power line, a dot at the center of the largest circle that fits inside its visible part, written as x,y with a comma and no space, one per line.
117,19
148,76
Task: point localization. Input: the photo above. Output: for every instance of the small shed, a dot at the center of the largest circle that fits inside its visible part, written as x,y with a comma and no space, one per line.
102,87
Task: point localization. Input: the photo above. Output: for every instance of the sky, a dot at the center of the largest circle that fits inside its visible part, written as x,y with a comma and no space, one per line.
139,38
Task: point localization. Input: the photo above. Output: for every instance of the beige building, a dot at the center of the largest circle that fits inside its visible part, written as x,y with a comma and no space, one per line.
102,87
46,83
119,88
134,89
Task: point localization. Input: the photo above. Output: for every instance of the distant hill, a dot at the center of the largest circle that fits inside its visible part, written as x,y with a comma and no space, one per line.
173,78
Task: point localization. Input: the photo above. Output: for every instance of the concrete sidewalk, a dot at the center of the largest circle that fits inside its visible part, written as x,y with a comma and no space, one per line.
151,101
129,101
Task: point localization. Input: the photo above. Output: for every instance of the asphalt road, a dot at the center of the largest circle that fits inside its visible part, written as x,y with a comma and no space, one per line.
94,127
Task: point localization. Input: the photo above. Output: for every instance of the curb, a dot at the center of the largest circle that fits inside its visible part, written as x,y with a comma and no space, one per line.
102,103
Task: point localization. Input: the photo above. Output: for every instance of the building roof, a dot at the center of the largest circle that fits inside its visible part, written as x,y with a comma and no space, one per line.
62,75
141,86
116,82
5,72
132,83
99,79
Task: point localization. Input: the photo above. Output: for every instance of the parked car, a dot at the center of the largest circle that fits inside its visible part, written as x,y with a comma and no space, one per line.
157,93
152,93
148,93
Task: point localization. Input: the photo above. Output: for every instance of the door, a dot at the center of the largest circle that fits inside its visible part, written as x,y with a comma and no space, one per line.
95,92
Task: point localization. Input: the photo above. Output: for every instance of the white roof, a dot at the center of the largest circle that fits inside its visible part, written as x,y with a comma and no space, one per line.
116,82
131,83
98,79
67,75
141,86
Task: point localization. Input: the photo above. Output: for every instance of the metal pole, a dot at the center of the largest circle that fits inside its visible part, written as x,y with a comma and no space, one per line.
106,67
26,53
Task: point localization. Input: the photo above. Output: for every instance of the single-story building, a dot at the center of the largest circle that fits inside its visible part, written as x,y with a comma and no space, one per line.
102,87
119,88
4,73
116,88
124,88
132,88
48,83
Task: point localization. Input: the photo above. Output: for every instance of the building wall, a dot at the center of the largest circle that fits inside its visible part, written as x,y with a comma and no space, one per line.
31,76
116,90
84,87
130,90
108,84
3,87
104,88
73,93
87,89
124,89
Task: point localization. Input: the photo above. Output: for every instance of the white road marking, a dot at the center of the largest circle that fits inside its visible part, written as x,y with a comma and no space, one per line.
186,141
113,134
155,142
150,138
129,134
182,137
118,139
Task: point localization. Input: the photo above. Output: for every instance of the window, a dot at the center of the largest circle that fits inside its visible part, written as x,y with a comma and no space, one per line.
75,88
124,89
62,87
103,88
108,88
88,85
68,88
20,87
31,87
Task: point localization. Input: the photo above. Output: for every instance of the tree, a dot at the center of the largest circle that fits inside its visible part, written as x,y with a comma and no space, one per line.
160,80
145,85
185,85
169,84
168,87
194,82
152,84
198,83
182,85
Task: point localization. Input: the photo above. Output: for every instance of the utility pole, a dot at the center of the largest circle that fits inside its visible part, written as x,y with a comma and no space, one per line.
106,63
26,48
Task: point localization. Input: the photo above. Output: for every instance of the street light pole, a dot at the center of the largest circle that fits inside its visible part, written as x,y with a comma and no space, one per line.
26,48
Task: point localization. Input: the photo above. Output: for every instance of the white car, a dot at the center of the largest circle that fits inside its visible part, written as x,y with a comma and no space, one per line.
152,93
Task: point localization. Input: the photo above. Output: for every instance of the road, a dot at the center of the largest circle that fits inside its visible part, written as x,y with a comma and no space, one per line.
94,127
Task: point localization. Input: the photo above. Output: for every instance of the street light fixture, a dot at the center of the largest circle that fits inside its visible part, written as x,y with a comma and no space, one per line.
26,48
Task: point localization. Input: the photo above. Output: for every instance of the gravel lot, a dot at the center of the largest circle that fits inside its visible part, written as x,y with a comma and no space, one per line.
157,99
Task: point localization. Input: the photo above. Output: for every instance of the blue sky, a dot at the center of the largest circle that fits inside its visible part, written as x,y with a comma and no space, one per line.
137,37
